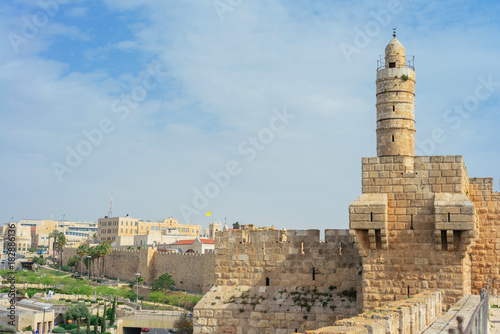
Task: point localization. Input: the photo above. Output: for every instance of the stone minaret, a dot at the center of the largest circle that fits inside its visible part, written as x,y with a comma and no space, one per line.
396,104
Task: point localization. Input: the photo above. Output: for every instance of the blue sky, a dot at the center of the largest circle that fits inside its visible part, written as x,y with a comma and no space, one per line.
253,104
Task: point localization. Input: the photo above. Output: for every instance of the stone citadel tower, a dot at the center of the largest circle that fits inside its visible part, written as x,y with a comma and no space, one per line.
417,223
395,103
421,224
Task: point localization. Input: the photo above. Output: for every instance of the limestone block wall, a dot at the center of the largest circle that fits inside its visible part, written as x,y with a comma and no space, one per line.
486,253
280,281
191,272
419,253
408,316
286,258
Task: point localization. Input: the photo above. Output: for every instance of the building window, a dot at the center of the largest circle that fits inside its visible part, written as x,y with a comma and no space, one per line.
267,281
392,65
393,108
393,138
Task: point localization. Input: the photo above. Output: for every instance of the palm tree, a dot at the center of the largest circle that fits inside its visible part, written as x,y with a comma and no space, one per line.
56,235
73,261
81,251
92,251
61,241
104,248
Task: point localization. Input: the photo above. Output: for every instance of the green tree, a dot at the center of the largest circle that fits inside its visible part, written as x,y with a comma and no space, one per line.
103,323
81,251
105,249
88,325
112,316
73,261
236,225
39,260
59,241
184,324
163,283
77,312
96,319
33,249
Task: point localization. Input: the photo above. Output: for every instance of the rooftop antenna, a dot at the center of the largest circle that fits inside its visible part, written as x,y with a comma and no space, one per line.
110,212
394,32
51,214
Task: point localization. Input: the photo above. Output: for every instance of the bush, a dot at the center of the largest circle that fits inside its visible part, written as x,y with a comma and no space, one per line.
119,303
68,300
59,329
65,268
74,331
28,329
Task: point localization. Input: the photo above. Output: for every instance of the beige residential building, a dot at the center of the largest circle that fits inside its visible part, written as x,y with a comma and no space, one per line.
114,227
75,232
22,237
197,245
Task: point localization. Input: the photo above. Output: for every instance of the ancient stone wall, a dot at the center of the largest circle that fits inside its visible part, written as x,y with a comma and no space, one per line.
191,272
280,281
414,230
408,316
486,254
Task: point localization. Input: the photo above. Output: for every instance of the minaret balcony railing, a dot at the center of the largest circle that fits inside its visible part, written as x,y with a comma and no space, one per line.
410,63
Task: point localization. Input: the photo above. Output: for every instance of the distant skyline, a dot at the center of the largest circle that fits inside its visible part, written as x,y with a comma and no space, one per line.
257,111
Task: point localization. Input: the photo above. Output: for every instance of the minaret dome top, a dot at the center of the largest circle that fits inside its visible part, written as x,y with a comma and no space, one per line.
395,54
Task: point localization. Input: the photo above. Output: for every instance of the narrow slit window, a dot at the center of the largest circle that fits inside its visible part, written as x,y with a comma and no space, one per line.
393,138
371,216
411,222
449,217
444,240
267,281
393,108
314,274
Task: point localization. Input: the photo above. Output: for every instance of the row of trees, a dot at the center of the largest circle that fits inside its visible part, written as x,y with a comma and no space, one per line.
88,256
80,311
59,242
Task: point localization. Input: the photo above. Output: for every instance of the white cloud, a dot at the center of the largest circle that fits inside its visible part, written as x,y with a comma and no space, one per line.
224,80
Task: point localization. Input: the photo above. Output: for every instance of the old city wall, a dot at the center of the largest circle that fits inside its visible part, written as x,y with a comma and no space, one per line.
195,271
191,272
412,315
486,253
414,229
280,281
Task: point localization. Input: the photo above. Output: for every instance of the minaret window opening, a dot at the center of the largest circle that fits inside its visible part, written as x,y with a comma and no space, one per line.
391,65
449,216
393,108
393,138
371,216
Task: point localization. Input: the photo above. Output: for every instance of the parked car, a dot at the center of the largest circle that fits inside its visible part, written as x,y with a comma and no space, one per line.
144,329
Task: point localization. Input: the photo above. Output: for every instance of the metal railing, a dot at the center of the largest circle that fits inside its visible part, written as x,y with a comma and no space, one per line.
410,63
479,321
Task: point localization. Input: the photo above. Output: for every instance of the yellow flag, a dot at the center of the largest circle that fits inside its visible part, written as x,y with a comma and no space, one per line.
209,213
